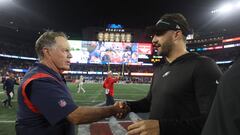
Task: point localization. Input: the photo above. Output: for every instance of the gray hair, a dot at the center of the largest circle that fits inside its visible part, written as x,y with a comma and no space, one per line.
47,39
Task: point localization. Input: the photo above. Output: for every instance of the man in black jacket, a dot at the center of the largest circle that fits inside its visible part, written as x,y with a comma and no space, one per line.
224,117
182,89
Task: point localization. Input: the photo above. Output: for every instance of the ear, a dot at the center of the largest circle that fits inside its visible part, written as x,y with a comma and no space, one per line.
178,34
45,51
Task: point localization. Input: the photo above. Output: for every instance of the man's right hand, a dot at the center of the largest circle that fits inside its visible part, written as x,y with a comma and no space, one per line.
124,109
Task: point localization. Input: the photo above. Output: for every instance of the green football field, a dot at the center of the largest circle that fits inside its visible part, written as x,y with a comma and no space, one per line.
93,96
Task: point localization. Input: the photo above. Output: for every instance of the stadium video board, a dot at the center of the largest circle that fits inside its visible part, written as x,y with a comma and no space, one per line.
98,52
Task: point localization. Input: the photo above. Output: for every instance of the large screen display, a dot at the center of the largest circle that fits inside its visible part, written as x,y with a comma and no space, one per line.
107,52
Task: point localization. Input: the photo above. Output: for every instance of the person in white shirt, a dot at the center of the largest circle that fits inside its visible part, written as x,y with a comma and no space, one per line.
80,84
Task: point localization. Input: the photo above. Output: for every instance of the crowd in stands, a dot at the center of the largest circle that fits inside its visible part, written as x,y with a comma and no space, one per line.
17,49
9,63
223,54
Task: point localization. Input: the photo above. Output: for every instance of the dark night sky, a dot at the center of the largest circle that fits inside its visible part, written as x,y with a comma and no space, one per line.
74,15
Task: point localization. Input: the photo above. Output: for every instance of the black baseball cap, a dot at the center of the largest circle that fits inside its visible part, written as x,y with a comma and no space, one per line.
163,25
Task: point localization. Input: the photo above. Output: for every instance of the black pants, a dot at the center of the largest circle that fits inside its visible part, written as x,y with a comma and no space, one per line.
8,100
109,100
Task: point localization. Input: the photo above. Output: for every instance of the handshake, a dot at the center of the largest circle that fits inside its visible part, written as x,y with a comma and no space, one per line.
120,109
146,127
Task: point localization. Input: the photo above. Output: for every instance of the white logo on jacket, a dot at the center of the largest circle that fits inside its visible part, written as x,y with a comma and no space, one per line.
166,74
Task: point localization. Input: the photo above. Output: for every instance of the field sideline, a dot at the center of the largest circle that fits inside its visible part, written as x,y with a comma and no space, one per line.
94,95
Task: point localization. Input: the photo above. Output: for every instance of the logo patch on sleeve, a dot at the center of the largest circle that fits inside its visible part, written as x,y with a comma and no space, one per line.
62,103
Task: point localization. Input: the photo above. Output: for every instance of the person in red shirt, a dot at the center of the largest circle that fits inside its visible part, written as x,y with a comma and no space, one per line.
108,84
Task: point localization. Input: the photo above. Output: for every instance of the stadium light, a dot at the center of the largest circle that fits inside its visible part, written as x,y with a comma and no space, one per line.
227,8
5,1
5,4
238,4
